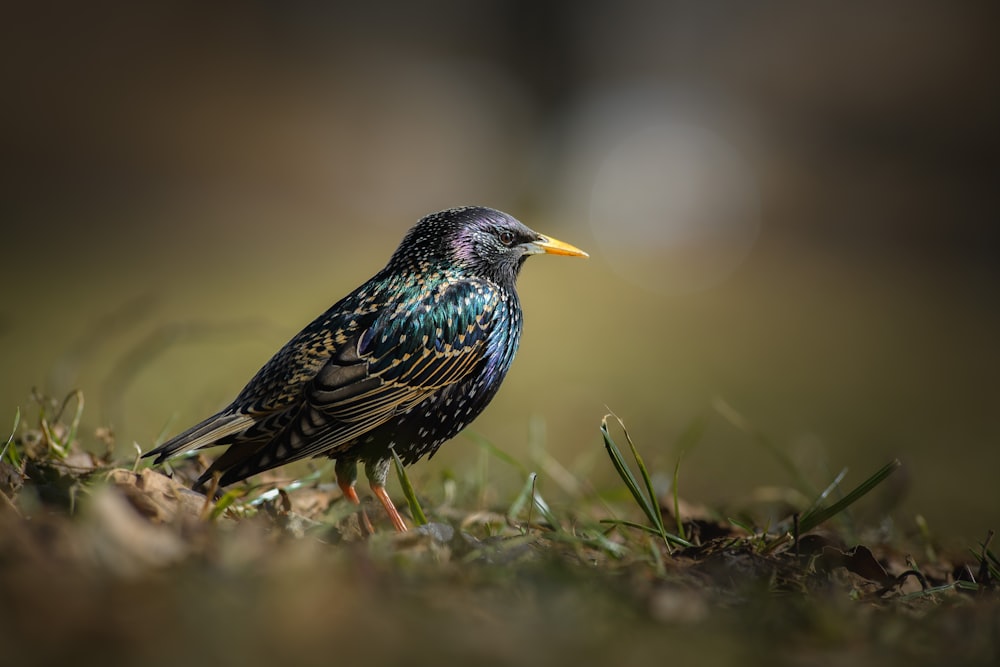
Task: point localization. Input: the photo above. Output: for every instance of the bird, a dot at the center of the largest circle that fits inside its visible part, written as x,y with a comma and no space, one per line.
400,365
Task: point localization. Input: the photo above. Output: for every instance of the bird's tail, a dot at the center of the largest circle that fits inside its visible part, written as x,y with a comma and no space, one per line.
204,434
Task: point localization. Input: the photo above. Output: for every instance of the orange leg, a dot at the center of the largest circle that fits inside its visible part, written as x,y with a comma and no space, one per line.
390,509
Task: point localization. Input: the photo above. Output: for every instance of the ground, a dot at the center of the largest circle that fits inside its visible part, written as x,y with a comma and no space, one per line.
116,562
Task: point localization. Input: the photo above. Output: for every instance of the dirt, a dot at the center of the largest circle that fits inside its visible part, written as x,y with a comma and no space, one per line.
103,561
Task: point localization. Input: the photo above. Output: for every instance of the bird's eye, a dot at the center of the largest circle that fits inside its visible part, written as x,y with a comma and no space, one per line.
507,238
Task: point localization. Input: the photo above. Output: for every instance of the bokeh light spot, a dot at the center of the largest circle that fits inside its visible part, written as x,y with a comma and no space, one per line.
674,207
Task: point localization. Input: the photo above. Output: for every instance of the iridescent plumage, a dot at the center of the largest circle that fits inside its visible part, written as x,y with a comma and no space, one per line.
402,363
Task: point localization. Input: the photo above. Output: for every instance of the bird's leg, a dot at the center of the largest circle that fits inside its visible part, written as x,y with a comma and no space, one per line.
347,476
377,473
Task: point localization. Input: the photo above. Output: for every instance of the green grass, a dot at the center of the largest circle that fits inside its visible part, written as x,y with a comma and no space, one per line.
416,511
281,567
645,496
14,459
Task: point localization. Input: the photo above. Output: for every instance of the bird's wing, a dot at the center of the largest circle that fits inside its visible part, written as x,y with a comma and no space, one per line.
407,354
269,400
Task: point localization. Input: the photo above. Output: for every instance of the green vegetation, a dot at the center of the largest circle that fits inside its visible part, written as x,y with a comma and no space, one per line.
129,565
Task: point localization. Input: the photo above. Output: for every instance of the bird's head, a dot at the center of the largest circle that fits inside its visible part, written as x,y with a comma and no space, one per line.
479,241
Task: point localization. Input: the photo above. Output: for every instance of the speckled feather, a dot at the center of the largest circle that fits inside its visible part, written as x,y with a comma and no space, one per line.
404,362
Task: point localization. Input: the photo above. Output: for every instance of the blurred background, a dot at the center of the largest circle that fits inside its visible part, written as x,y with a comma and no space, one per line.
790,207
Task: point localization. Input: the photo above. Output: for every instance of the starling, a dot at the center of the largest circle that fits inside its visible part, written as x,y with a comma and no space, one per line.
402,363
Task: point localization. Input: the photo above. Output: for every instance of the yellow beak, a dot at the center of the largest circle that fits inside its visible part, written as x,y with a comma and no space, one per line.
552,246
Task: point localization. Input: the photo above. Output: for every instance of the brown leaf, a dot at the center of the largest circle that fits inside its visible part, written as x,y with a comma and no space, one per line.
858,560
156,496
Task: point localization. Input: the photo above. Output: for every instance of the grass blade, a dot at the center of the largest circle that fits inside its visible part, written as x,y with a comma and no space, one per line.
677,500
416,510
670,537
743,525
654,505
827,491
15,457
811,519
687,440
994,566
530,494
522,498
77,417
224,503
596,538
543,508
61,446
618,461
649,507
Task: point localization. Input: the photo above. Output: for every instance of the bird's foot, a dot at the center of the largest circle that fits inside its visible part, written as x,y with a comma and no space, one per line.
390,509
